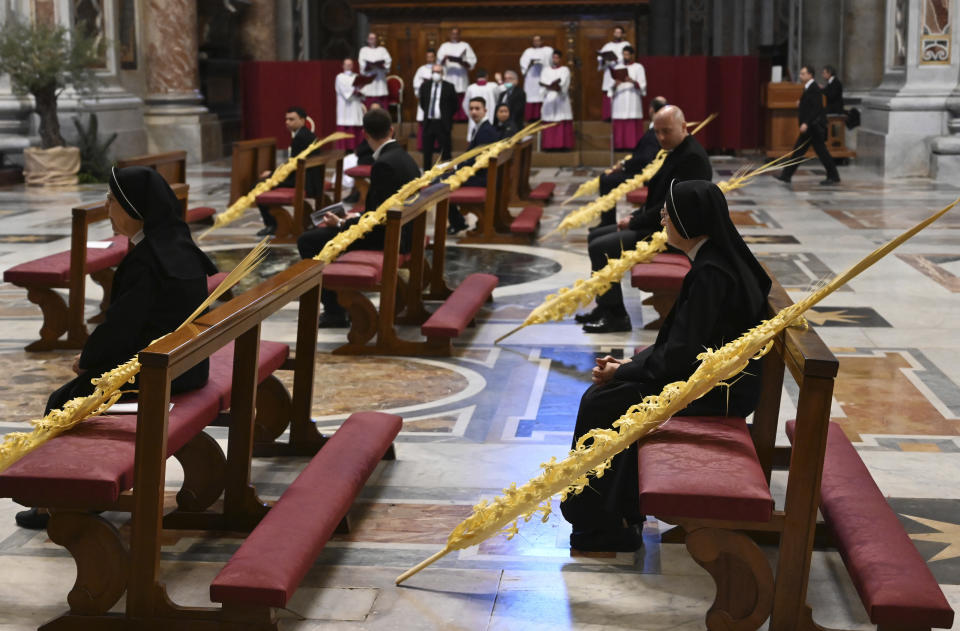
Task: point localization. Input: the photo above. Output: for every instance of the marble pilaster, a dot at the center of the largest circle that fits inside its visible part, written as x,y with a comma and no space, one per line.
175,117
259,30
820,34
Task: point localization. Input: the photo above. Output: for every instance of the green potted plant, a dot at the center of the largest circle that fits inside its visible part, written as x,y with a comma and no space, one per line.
42,59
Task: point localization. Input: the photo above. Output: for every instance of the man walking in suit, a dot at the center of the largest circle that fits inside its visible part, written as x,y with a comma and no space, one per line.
438,98
813,130
392,168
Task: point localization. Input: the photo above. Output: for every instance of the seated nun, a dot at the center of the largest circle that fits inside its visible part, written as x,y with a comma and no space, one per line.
158,284
723,295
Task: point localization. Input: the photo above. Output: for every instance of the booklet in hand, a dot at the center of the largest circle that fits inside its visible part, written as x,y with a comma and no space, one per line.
361,80
620,74
608,56
374,65
455,60
335,209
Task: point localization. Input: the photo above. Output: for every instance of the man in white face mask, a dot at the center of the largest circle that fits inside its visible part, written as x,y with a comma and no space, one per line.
438,98
511,95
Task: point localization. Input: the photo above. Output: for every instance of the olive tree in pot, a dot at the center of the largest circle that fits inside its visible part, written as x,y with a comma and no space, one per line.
42,59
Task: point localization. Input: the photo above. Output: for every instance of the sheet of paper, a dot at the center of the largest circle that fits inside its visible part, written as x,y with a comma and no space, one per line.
126,408
99,245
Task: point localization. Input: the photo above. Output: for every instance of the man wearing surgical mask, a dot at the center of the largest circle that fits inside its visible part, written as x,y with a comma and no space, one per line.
511,95
438,98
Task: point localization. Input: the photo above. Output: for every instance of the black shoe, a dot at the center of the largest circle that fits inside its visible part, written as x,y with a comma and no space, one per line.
333,321
452,230
626,539
266,231
352,198
33,519
609,324
830,182
782,178
590,316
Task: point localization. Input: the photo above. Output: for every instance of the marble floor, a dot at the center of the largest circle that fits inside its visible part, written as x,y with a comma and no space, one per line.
487,416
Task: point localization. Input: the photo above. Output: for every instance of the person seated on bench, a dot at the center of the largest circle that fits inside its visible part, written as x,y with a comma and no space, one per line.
643,153
392,168
301,137
686,161
158,284
723,296
362,156
505,125
484,133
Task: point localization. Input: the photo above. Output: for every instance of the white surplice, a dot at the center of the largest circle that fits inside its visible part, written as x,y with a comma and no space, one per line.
349,104
423,74
532,62
556,105
489,91
377,87
614,47
455,73
627,98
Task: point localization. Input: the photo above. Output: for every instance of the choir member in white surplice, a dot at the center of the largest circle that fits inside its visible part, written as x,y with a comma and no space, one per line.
488,91
349,107
532,62
422,74
626,101
374,62
555,83
458,59
610,55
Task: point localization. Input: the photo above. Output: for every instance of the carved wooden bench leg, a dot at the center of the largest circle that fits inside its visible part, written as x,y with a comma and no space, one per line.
662,302
286,231
104,278
204,473
101,558
363,319
55,318
273,410
742,574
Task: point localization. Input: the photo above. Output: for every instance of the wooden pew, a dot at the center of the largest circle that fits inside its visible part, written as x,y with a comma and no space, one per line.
491,204
69,269
172,165
663,278
112,463
250,158
289,227
369,271
523,152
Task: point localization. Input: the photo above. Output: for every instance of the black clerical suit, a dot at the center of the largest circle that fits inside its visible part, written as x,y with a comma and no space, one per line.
833,90
643,153
439,102
811,112
393,168
687,161
364,153
506,129
314,184
516,99
483,134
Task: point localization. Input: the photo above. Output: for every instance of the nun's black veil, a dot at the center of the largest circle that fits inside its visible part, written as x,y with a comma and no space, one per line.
698,207
145,195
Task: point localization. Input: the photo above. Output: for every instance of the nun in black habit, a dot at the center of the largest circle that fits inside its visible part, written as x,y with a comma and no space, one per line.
158,284
723,295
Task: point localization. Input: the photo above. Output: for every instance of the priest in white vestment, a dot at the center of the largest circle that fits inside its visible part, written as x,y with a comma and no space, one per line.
555,86
610,55
349,107
458,59
422,74
375,63
532,63
626,101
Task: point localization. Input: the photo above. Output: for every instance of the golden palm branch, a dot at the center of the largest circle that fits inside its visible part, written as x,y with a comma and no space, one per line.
16,445
592,186
572,474
237,208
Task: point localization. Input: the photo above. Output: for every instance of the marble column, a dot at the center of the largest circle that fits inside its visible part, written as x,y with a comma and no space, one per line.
909,121
863,30
661,21
175,116
820,39
259,30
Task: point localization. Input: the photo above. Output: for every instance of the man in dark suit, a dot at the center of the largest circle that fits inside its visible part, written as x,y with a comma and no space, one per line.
686,160
483,134
296,122
813,130
513,96
392,168
833,90
438,98
645,150
504,124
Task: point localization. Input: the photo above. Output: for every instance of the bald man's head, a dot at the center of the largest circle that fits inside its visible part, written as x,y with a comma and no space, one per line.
670,126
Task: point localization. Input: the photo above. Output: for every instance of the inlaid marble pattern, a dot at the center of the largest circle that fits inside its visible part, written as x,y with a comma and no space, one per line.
487,416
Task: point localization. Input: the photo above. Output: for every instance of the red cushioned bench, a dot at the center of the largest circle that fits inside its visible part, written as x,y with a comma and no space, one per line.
361,181
290,226
362,271
637,196
662,277
543,192
267,568
893,580
710,476
172,165
527,221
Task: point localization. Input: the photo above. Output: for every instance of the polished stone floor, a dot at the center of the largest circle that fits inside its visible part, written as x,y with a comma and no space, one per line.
487,416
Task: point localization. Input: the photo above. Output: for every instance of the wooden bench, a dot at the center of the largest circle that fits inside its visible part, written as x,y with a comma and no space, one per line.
491,204
522,162
361,181
117,463
172,165
289,227
68,270
711,477
370,271
663,278
249,159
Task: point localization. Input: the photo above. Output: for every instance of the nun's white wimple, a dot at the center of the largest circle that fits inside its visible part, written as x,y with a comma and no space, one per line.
676,210
113,173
